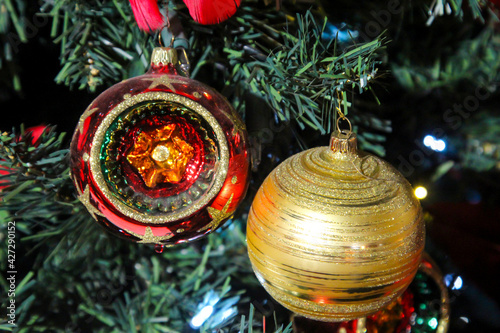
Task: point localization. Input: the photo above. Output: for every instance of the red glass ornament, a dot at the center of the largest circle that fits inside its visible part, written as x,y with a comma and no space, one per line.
393,318
36,133
160,158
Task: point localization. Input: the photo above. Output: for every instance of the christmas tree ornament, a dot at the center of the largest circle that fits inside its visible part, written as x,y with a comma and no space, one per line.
335,233
160,158
35,135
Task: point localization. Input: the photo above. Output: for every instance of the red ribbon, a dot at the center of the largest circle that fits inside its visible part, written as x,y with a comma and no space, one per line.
148,16
212,11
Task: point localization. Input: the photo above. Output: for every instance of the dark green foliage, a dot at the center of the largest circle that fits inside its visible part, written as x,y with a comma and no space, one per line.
475,60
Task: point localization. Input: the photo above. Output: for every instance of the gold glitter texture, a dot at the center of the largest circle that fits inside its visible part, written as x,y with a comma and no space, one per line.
90,111
85,200
164,80
149,237
218,216
160,155
334,233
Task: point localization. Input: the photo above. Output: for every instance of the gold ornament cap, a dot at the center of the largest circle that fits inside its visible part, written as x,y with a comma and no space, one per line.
344,142
163,56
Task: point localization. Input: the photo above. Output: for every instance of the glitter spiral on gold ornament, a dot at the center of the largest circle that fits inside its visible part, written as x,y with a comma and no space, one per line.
335,233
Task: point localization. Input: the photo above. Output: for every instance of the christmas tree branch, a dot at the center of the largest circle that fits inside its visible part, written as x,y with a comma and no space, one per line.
288,64
475,60
302,80
80,279
100,42
447,7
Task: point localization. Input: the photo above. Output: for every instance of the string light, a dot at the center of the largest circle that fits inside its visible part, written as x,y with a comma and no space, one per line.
421,192
433,323
458,283
202,316
434,144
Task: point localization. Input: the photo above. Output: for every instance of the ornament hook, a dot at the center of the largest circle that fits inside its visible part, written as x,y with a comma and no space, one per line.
160,35
170,31
338,124
341,115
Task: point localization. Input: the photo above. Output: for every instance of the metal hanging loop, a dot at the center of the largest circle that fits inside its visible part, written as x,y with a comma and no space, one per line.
338,124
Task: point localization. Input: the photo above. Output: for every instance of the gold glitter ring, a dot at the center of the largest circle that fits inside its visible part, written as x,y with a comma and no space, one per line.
95,165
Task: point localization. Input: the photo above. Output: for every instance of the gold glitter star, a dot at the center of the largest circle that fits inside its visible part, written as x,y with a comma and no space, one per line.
84,117
149,238
218,216
85,200
164,80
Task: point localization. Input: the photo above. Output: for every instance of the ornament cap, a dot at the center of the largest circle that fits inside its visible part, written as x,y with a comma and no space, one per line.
344,142
164,56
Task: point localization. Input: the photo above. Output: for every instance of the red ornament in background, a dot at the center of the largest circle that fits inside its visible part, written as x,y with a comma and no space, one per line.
35,132
160,158
496,3
212,11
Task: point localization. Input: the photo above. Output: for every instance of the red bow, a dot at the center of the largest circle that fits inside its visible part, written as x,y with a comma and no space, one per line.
149,18
147,14
212,11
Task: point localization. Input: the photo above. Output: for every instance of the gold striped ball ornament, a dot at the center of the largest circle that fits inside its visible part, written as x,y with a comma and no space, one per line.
335,233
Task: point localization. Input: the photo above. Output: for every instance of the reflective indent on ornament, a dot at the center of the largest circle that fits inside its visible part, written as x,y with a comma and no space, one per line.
159,157
158,150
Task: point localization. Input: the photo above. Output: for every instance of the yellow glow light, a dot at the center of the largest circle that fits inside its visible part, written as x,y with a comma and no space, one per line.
421,192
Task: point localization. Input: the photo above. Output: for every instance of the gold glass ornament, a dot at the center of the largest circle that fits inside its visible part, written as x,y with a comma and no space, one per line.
335,233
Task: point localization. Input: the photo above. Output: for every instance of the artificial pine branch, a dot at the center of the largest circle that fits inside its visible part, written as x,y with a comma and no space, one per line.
100,42
303,80
12,34
76,278
456,7
482,67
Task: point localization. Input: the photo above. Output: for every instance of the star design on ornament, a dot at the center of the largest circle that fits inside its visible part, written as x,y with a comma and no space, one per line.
160,155
85,200
149,237
84,117
164,80
218,216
